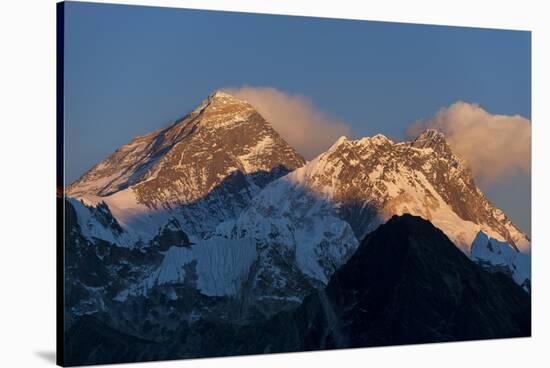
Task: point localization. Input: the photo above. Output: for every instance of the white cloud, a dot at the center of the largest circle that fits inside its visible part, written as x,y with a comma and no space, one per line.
294,117
495,146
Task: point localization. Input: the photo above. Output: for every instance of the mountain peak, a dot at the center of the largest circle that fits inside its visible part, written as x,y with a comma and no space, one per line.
220,109
377,139
428,136
221,95
220,102
340,141
431,138
181,164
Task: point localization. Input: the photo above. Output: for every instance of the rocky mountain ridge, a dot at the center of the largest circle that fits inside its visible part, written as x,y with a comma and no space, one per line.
201,170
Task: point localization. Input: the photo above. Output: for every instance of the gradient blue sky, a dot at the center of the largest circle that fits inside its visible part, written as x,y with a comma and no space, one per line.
130,69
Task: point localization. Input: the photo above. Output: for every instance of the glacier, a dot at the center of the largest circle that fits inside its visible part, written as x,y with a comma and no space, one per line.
494,253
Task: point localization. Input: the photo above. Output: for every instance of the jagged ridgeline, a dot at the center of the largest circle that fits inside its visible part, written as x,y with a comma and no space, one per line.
214,237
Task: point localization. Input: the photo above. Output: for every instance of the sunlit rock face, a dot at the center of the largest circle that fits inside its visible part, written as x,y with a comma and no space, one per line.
201,170
371,179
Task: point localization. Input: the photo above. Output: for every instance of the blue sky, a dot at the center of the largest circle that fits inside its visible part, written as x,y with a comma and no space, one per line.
129,70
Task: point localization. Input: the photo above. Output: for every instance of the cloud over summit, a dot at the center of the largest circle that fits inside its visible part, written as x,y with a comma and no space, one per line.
294,117
495,146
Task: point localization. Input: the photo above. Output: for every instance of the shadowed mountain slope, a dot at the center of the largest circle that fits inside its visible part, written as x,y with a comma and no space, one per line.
405,284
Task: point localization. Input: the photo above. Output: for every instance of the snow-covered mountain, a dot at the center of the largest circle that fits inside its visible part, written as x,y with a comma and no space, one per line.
500,256
319,212
161,197
201,170
371,179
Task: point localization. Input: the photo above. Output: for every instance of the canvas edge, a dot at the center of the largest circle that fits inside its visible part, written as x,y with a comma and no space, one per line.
60,190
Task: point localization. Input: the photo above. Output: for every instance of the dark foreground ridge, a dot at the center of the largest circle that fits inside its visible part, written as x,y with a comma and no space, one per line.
407,283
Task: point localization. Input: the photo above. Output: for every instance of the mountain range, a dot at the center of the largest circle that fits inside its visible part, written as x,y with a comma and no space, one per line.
217,224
